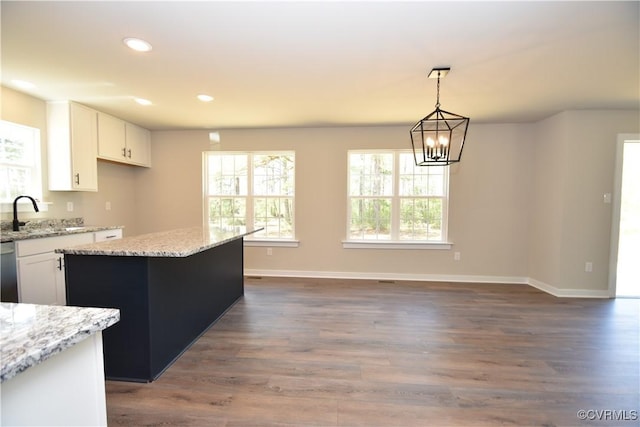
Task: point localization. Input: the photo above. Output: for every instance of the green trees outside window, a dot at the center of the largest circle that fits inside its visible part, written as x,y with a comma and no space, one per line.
255,189
392,199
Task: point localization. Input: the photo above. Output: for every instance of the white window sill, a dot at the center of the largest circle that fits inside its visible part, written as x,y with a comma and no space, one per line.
395,244
274,243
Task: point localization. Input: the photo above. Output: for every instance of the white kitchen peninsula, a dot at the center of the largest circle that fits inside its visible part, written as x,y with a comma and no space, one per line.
52,371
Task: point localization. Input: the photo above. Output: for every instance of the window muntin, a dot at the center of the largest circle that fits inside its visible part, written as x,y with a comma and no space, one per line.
391,199
20,162
252,188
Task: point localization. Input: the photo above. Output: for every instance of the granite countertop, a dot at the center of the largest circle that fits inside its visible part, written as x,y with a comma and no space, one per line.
11,236
50,228
30,334
175,243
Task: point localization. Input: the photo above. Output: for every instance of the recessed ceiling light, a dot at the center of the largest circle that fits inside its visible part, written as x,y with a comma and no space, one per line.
137,44
205,98
21,84
143,101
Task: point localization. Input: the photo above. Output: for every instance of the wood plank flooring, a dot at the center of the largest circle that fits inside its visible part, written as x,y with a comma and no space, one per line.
308,352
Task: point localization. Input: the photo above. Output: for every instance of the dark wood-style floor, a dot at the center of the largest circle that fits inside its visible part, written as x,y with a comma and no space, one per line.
305,352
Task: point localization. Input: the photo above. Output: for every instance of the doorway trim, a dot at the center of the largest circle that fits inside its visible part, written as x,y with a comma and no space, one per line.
615,215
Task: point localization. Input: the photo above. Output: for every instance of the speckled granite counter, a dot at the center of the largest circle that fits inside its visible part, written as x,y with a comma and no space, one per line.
30,334
169,286
174,243
36,229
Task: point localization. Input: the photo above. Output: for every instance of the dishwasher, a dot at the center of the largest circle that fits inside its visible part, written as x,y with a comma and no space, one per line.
8,276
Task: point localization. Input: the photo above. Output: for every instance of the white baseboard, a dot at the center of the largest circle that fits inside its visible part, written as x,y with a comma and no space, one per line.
386,276
516,280
568,293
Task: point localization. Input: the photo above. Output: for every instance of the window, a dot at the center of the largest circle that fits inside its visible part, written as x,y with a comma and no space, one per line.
392,200
251,190
19,162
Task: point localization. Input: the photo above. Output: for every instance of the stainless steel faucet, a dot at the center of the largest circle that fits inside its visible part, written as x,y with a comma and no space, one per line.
16,223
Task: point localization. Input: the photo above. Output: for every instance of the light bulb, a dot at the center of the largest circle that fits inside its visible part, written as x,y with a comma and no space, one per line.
138,45
430,142
443,141
205,98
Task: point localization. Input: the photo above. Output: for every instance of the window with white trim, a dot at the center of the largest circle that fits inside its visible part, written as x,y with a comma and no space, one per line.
20,162
392,199
249,190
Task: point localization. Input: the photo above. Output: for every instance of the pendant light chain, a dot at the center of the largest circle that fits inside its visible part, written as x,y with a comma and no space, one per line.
438,92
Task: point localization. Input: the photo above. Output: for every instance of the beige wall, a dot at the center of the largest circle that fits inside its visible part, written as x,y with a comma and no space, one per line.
488,205
115,182
546,205
169,194
573,167
526,201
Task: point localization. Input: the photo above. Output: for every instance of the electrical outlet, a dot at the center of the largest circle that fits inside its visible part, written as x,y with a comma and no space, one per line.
69,206
107,206
588,267
456,256
269,251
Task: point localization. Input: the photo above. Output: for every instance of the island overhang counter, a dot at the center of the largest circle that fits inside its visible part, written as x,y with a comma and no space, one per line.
51,370
170,288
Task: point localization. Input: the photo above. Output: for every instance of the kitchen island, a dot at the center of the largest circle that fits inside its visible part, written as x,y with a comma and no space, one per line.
51,369
170,288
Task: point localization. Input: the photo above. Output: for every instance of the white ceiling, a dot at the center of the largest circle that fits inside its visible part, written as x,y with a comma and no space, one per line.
278,64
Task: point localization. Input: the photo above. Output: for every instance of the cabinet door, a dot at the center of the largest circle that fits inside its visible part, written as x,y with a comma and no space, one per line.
41,279
138,145
111,138
84,143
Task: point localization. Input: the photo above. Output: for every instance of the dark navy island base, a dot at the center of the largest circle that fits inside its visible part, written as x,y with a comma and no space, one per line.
165,303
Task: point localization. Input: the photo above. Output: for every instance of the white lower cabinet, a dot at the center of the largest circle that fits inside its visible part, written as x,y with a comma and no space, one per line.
41,278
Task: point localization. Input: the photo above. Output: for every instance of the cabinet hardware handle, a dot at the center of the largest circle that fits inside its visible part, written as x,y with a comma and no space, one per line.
60,263
78,179
129,152
113,236
124,151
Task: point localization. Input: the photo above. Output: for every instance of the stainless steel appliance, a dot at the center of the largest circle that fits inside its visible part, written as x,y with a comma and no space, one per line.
8,276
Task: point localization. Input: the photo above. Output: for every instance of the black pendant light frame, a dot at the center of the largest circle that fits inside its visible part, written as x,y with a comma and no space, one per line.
438,139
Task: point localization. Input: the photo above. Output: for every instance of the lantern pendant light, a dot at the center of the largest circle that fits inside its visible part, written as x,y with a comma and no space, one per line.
438,139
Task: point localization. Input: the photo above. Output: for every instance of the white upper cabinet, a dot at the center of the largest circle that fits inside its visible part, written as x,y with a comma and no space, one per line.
72,147
123,142
111,142
138,145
